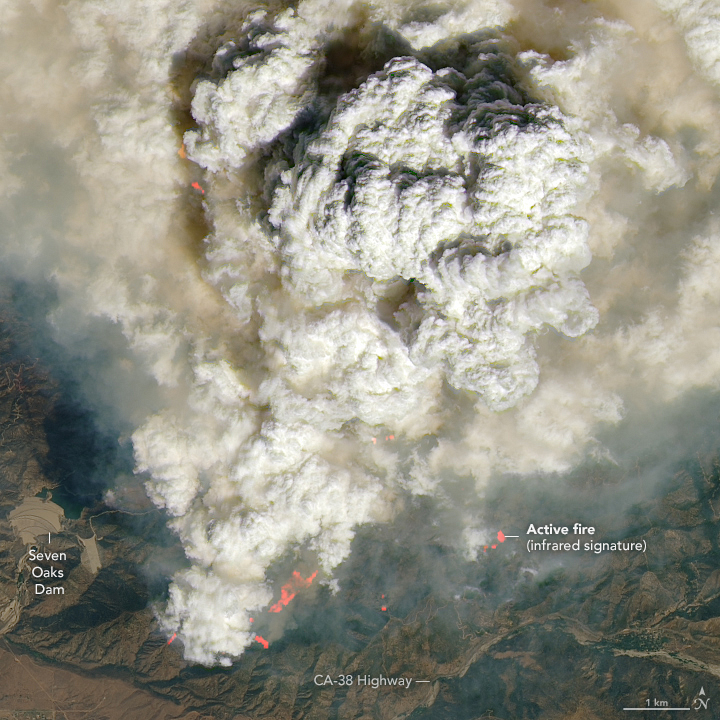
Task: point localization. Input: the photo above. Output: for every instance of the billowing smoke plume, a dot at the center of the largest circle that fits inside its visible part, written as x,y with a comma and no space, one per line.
450,227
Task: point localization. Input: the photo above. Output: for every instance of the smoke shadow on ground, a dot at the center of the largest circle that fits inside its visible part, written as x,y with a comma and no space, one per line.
488,631
82,462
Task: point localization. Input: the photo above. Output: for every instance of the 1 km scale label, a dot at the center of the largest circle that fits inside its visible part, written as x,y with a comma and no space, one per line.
700,702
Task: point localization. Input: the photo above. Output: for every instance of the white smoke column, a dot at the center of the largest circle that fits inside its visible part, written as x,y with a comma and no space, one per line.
454,182
653,289
450,181
388,261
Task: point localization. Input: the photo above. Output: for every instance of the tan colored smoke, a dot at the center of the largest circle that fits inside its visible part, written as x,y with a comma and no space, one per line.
256,367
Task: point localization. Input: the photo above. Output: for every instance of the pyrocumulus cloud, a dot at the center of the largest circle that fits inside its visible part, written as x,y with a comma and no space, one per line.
450,240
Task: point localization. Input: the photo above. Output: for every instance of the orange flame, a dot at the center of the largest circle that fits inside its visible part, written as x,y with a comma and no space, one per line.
262,641
289,590
172,638
196,185
181,151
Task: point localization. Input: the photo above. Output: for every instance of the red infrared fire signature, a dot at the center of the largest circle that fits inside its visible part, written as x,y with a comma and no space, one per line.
287,593
501,538
289,590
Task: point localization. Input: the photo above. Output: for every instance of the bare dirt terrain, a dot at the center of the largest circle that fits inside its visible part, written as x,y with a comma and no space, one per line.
575,638
30,690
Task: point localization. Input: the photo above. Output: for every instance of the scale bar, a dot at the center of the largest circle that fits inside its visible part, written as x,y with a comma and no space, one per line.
422,681
646,709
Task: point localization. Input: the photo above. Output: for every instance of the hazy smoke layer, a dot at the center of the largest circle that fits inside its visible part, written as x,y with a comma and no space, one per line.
400,210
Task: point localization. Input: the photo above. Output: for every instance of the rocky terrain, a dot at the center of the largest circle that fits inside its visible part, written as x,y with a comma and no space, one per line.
568,635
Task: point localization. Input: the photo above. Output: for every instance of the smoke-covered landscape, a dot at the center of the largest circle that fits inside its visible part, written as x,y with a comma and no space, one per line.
320,321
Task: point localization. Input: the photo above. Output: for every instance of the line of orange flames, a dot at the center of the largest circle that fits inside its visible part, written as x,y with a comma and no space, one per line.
287,593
